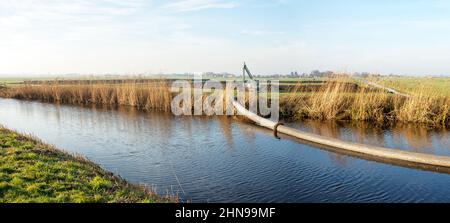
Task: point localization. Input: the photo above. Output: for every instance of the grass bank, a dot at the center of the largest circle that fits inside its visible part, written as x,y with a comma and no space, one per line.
31,171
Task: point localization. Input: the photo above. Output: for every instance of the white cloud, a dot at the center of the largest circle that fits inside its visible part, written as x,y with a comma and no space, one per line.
67,10
196,5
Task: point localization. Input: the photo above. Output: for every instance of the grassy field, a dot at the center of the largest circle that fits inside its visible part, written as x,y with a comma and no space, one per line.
31,171
19,80
438,85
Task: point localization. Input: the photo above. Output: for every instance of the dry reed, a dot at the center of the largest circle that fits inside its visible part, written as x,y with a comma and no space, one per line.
146,96
335,100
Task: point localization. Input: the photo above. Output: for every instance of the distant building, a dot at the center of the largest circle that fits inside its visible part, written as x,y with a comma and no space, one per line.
218,75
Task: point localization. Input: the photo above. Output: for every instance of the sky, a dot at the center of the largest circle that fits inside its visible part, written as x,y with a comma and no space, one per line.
410,37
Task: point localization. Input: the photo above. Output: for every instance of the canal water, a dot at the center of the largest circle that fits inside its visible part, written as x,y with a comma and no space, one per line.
221,159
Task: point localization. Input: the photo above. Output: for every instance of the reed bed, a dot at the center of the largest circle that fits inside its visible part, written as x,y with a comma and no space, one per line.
336,101
339,98
144,95
148,96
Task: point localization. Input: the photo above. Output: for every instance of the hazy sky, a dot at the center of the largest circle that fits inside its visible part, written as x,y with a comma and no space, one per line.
272,36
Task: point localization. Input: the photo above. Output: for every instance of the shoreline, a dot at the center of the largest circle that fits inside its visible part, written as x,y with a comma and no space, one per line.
32,171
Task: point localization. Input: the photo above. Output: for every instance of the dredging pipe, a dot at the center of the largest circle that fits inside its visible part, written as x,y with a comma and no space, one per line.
378,153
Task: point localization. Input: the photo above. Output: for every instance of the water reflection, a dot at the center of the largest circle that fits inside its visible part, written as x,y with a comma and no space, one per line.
401,136
219,159
225,127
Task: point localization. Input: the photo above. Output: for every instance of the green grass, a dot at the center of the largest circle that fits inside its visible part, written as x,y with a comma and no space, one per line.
31,171
17,80
438,85
10,80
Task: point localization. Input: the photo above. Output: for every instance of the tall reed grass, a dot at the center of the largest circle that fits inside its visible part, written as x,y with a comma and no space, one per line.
146,96
339,98
335,100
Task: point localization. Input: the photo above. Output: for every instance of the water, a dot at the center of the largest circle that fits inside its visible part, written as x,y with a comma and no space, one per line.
219,159
406,137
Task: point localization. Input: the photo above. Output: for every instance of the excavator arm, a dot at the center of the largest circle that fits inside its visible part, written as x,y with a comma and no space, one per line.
246,70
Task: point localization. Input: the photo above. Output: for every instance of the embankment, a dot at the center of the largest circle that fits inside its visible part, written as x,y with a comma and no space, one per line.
31,171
